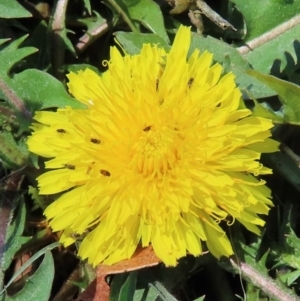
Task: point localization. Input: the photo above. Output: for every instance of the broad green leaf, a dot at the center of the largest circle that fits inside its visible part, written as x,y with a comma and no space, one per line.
14,45
29,262
163,292
146,294
128,288
38,287
232,62
261,16
133,42
123,286
14,239
12,9
263,57
149,14
163,280
156,290
10,56
116,285
289,95
40,90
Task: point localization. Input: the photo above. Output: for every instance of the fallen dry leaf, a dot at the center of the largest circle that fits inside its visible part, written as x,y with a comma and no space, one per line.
142,258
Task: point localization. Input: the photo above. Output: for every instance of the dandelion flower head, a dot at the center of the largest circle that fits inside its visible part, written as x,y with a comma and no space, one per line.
161,155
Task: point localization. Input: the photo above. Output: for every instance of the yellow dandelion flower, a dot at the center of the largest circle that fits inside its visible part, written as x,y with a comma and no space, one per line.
161,155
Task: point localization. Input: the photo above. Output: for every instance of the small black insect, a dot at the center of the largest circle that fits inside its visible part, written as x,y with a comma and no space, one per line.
69,166
147,128
190,82
105,173
95,140
61,131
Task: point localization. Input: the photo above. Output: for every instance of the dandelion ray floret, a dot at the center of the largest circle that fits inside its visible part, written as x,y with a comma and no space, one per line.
161,155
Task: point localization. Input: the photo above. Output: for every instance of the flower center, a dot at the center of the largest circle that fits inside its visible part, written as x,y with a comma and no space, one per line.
156,151
154,144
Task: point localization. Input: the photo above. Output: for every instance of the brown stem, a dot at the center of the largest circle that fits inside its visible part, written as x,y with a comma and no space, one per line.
288,151
14,100
213,16
93,34
58,45
263,282
123,14
196,20
270,35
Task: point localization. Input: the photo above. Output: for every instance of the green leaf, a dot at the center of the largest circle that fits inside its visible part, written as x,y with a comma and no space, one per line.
149,294
38,287
123,286
256,273
287,250
10,55
261,16
87,4
29,262
67,42
200,298
92,24
3,41
12,9
148,13
276,49
14,239
15,44
170,278
232,61
116,285
11,153
40,39
10,198
262,110
289,278
163,292
39,201
128,288
133,42
42,91
36,89
77,67
289,95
